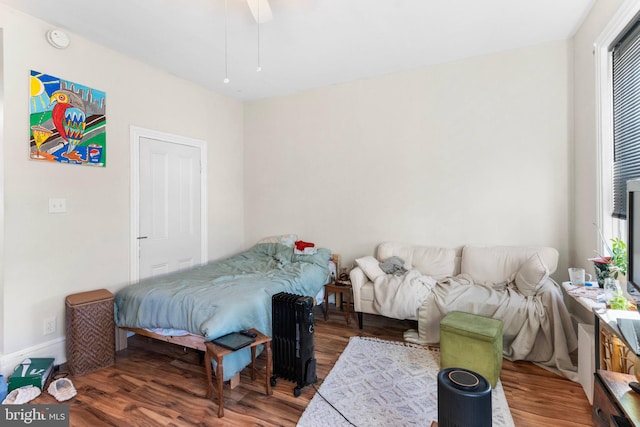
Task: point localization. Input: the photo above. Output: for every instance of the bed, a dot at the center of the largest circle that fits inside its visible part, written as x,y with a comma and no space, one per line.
192,306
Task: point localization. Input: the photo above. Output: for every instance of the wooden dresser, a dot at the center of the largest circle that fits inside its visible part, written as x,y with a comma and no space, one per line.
614,403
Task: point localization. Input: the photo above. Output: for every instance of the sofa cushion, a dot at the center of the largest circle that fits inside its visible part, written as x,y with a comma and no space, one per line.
435,262
531,275
499,264
429,260
370,266
388,249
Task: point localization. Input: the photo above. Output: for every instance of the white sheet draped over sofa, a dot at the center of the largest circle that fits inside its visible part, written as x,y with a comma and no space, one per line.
507,283
536,328
401,296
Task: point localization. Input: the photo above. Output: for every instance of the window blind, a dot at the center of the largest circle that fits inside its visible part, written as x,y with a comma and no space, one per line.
626,117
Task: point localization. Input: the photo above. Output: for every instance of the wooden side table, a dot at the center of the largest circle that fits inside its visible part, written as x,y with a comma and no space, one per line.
216,352
330,288
612,398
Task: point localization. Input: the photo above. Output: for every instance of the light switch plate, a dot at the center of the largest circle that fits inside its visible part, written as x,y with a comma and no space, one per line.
57,205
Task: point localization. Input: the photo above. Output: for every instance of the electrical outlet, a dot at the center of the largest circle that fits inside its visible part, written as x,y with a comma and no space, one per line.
57,205
49,325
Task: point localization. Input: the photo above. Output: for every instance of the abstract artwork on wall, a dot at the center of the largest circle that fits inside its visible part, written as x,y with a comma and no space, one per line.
67,122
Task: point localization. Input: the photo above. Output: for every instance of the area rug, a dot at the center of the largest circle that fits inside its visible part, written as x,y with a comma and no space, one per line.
385,383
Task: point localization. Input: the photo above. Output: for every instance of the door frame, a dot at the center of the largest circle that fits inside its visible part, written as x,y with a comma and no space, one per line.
136,133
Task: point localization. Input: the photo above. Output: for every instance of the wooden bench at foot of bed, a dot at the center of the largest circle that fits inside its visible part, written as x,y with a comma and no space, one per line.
195,342
190,341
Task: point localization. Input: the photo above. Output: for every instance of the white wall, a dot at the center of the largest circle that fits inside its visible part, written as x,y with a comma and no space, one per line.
50,256
584,166
471,152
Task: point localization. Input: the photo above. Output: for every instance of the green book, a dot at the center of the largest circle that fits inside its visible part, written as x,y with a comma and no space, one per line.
33,371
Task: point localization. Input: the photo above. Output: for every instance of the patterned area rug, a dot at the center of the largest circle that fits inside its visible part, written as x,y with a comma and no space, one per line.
385,383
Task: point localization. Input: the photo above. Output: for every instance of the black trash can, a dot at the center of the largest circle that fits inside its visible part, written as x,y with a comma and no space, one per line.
464,399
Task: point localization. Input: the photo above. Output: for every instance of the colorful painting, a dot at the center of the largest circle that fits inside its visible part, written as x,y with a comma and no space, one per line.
68,122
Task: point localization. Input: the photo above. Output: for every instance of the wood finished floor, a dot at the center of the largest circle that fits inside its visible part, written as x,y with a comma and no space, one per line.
159,384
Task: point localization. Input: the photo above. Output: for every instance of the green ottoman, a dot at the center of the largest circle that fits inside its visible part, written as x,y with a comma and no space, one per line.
472,342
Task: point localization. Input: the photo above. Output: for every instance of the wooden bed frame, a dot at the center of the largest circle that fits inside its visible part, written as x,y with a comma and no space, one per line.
195,342
190,341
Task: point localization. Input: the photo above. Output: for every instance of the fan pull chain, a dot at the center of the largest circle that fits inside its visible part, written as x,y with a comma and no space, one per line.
226,19
259,66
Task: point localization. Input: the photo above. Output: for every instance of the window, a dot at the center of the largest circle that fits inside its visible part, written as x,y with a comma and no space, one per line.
626,116
616,40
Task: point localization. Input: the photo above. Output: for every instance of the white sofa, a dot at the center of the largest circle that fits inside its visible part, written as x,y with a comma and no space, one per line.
509,283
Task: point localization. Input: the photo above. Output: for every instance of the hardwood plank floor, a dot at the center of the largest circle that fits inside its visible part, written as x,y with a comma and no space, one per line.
160,384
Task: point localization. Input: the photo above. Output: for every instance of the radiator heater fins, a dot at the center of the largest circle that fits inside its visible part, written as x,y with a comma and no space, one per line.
293,347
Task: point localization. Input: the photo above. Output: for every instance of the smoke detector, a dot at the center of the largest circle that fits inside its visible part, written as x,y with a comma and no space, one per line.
58,39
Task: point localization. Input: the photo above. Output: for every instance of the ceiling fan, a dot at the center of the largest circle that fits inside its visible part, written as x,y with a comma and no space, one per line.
260,10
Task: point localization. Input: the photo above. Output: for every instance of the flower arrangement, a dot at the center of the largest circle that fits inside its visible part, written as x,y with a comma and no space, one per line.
601,265
614,265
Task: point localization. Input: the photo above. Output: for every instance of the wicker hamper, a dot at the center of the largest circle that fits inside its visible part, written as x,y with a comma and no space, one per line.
90,331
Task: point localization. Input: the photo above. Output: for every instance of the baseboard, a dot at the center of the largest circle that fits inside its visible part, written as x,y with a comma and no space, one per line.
54,348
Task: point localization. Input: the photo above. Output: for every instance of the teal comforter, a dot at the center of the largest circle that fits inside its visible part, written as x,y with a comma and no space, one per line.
223,296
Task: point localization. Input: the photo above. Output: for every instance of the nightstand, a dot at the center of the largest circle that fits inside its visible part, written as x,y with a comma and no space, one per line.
344,289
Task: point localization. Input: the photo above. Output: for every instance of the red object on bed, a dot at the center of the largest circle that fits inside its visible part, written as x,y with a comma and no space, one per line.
300,245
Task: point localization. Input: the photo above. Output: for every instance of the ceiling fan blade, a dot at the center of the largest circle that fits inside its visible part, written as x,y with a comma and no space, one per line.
263,7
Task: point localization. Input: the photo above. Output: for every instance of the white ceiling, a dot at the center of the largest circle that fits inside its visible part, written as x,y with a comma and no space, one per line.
309,43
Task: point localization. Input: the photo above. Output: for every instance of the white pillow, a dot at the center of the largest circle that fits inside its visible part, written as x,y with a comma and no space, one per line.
370,266
284,239
531,275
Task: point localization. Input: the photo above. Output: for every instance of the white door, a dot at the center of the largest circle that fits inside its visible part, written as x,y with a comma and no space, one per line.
170,233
